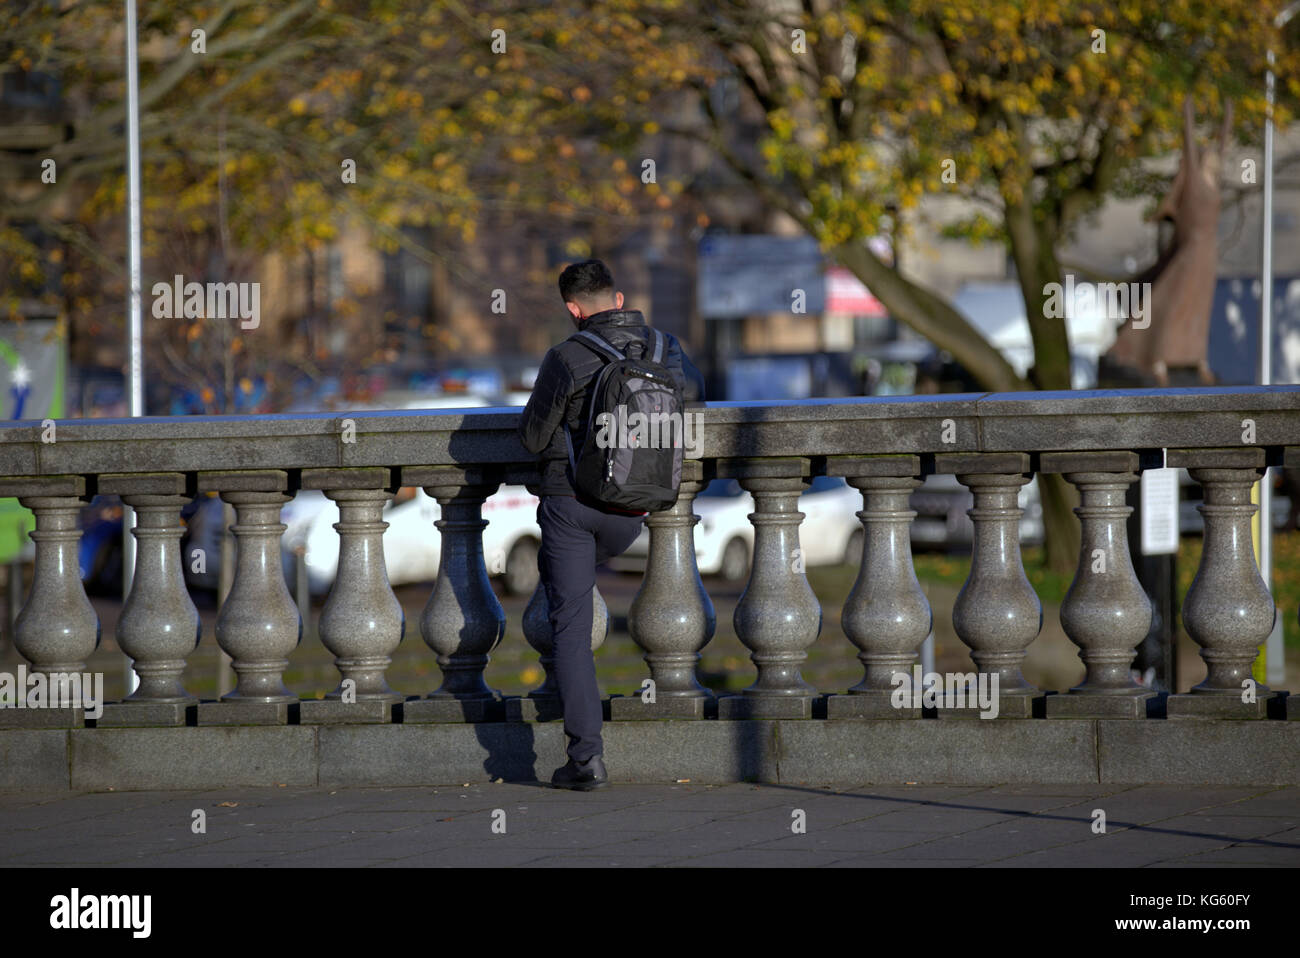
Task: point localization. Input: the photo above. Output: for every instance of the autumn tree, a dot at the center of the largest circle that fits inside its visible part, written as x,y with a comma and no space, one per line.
265,127
1032,111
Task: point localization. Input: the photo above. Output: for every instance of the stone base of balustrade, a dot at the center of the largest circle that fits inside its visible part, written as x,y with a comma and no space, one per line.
742,707
1033,705
630,708
868,705
420,711
1209,705
248,713
338,712
1084,705
11,717
545,708
148,714
853,754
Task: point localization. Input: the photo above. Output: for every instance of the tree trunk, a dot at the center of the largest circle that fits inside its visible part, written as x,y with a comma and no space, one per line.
948,329
1032,250
933,318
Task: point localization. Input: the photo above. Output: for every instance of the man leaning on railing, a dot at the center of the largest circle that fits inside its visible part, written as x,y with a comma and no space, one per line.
578,532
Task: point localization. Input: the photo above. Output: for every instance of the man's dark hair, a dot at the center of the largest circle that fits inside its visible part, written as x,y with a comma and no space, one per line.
585,280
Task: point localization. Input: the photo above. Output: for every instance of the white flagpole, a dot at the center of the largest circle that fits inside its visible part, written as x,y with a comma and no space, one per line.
135,359
1274,650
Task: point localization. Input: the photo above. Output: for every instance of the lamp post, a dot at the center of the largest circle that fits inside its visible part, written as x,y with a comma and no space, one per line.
1273,648
134,359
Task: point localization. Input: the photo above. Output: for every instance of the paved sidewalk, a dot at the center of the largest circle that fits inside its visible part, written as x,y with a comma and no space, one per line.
651,825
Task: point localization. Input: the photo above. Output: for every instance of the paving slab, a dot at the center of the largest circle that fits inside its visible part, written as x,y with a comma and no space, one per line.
761,858
1223,822
1152,803
736,825
574,837
939,817
598,861
1007,840
856,840
874,861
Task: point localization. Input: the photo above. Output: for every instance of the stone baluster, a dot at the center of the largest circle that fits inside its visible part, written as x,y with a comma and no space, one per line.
462,621
362,623
1228,610
997,614
672,617
1291,460
886,615
159,625
258,625
543,702
57,628
1106,612
778,617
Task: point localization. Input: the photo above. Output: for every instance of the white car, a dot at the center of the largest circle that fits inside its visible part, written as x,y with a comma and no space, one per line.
941,521
830,532
412,543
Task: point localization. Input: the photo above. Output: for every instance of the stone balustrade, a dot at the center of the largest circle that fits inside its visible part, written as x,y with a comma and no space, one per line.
1100,441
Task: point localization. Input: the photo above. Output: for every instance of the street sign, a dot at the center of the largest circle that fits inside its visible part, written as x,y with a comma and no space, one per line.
751,274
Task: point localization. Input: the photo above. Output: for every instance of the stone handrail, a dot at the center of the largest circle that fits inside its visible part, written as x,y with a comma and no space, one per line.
1099,440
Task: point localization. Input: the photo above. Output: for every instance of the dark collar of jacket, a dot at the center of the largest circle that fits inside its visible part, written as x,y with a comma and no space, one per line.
612,317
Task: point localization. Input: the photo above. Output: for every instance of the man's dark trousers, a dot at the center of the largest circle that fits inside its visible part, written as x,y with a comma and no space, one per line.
575,539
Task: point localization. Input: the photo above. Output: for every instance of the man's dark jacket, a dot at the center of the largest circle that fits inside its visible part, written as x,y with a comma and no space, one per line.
561,391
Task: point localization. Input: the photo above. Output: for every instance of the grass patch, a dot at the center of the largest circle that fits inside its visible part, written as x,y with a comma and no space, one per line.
954,569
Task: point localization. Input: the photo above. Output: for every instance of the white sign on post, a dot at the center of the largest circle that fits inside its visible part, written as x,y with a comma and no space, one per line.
1159,512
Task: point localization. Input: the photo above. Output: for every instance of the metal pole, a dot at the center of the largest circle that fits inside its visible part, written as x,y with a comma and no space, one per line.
1272,650
1274,661
1266,267
135,362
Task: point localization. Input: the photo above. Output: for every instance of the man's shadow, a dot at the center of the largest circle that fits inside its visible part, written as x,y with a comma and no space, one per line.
511,756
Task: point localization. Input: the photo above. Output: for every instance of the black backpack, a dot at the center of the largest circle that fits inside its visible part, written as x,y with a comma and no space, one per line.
620,464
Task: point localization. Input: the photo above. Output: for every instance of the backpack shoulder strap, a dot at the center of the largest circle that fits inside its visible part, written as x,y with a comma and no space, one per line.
659,344
587,338
606,351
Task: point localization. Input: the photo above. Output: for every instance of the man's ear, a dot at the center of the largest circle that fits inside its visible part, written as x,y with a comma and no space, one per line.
574,310
618,300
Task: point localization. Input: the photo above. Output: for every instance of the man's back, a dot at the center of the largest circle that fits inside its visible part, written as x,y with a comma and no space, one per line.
563,386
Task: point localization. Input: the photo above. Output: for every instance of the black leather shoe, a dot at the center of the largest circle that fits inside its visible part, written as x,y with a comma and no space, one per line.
581,776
